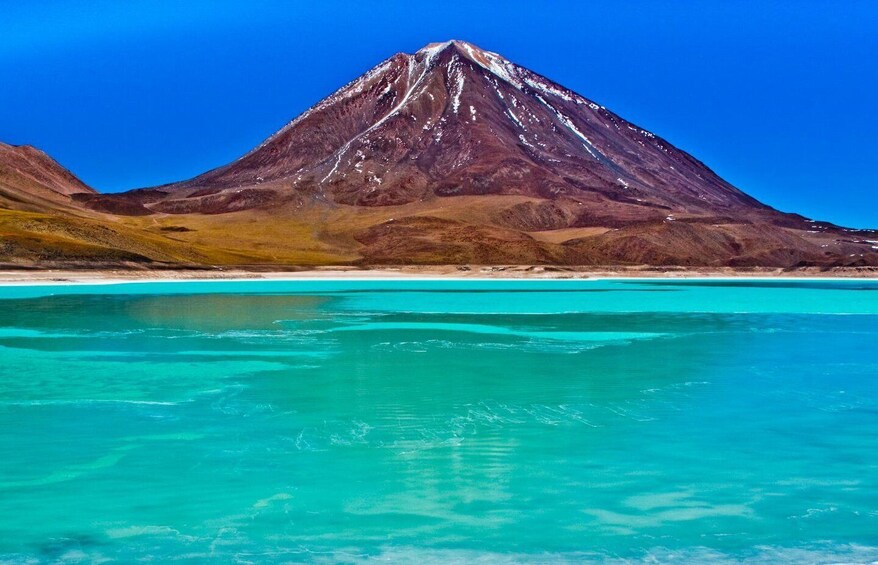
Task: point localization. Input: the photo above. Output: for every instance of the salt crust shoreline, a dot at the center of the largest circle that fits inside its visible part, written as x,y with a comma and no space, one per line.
47,277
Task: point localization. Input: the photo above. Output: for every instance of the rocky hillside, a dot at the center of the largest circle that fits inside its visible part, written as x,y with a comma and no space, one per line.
31,180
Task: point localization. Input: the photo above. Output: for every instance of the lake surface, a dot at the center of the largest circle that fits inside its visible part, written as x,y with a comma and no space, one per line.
404,421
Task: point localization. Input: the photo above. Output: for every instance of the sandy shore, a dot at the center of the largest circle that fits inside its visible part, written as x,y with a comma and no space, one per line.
103,276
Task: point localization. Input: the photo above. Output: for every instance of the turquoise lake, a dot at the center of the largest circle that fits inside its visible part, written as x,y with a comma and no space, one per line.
440,421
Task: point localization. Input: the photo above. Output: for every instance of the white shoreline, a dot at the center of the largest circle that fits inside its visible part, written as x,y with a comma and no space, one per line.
86,278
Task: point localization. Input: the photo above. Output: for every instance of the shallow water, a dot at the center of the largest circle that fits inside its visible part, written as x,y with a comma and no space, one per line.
502,421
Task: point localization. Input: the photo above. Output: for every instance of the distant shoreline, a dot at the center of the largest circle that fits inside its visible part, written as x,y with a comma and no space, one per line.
22,277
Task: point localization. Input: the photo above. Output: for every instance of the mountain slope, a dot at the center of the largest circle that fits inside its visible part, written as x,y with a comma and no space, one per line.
42,221
31,180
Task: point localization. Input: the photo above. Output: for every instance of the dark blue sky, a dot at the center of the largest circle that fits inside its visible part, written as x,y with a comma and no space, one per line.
777,97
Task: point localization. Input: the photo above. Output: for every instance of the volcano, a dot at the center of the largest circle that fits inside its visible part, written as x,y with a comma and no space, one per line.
453,119
454,154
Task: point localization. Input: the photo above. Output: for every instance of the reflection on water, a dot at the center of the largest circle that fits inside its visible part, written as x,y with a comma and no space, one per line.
517,426
219,313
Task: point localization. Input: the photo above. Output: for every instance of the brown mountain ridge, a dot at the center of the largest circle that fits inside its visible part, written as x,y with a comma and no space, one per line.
449,155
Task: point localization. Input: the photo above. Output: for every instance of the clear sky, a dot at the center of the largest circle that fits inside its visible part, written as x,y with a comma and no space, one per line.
778,97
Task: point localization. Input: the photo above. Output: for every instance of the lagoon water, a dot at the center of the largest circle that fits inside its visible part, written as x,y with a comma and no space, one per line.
440,421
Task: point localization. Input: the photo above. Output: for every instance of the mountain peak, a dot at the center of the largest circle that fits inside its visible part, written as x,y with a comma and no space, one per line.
488,60
464,47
